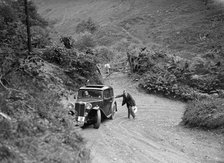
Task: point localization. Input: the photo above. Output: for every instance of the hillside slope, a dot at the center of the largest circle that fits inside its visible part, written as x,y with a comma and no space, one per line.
38,127
187,28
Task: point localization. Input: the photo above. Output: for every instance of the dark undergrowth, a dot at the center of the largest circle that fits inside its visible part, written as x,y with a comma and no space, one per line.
39,128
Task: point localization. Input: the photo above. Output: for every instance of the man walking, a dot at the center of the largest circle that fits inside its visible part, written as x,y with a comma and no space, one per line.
107,68
129,101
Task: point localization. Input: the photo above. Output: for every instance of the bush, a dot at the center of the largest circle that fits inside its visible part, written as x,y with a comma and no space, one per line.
5,129
77,66
59,55
207,113
103,54
84,42
74,140
173,76
67,42
167,87
40,37
87,26
7,156
25,128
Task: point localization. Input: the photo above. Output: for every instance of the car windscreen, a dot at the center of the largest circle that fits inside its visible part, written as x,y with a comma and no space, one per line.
90,94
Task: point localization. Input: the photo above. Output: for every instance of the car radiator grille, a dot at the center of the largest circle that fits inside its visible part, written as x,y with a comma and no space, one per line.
80,108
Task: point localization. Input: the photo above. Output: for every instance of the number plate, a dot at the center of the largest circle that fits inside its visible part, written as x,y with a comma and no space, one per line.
81,119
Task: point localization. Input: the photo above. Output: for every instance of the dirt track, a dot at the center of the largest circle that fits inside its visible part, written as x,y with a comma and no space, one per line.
154,136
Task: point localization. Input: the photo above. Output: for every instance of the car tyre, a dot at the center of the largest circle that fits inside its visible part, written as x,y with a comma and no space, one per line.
114,109
98,120
83,126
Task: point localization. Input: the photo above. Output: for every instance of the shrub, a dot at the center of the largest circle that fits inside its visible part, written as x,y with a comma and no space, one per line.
8,156
122,45
25,128
84,42
59,55
73,140
173,76
40,37
207,113
5,129
87,26
27,145
67,42
103,54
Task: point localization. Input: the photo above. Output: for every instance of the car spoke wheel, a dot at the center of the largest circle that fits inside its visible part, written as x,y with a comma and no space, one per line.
114,108
98,119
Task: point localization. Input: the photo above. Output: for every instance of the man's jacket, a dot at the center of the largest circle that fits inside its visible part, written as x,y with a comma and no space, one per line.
129,101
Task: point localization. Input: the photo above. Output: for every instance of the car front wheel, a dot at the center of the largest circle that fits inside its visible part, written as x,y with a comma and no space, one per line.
98,120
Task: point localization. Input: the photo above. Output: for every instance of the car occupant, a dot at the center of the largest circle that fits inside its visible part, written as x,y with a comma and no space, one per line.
86,94
129,101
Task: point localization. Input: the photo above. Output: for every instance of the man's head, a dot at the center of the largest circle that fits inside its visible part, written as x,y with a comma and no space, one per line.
86,93
125,93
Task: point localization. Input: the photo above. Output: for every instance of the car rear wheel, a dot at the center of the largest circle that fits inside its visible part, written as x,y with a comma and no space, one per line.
114,109
98,120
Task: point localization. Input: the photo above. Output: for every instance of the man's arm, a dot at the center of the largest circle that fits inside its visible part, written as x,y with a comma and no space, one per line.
118,96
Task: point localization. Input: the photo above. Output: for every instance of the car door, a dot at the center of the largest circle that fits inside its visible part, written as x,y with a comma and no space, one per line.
108,99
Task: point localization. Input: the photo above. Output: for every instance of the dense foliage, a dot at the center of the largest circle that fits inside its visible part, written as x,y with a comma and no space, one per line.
13,25
31,87
77,65
176,77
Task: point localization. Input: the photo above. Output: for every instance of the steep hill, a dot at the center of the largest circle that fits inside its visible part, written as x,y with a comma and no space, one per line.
187,28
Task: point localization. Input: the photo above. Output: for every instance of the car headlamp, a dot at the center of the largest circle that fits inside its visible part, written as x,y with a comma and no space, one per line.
96,107
88,106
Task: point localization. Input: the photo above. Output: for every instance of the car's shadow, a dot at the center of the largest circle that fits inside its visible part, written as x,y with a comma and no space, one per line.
90,126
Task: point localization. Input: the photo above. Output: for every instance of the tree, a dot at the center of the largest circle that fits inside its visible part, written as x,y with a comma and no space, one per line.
13,24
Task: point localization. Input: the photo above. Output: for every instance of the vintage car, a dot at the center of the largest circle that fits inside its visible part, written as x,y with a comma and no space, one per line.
93,103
